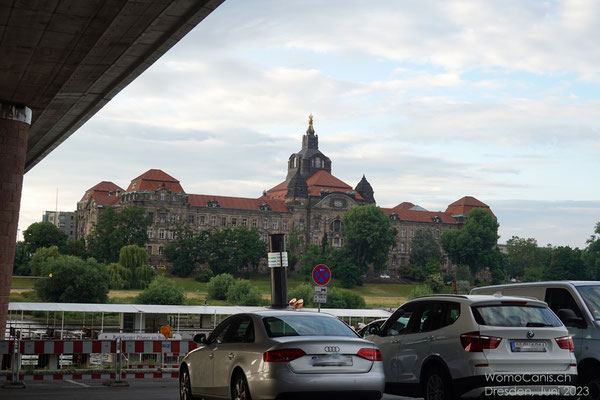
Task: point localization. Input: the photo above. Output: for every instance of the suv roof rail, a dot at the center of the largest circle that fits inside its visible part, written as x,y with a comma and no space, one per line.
460,296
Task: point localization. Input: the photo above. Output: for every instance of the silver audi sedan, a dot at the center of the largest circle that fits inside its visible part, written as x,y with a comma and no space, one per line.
282,355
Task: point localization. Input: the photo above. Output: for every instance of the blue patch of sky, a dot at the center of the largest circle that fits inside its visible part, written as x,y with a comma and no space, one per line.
361,67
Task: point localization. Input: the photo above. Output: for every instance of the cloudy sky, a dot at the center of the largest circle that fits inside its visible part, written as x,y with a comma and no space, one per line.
431,100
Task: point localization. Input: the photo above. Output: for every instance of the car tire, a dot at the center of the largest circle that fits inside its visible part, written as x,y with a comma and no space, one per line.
185,387
436,385
592,383
239,388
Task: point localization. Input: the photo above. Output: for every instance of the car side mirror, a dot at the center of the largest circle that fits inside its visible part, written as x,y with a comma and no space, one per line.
375,330
200,338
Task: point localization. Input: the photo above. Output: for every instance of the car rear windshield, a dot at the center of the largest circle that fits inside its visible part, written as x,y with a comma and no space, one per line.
306,325
591,296
514,315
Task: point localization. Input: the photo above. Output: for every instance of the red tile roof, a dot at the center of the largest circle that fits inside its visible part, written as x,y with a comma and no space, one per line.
153,179
405,214
405,205
240,203
104,200
466,204
319,180
103,187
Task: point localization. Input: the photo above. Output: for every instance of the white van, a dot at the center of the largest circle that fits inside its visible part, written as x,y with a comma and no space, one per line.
577,304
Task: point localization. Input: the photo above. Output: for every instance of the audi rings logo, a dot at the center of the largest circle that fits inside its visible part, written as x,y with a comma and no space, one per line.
332,349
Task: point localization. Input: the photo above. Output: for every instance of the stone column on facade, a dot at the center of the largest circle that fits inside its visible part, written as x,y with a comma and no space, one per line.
14,127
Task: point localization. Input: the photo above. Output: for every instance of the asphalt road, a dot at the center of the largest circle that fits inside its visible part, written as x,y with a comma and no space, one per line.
142,389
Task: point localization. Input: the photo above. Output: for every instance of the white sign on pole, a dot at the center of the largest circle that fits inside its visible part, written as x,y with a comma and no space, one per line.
320,294
277,259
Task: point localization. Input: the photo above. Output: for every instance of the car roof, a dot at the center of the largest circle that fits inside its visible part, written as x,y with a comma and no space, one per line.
269,312
479,298
540,284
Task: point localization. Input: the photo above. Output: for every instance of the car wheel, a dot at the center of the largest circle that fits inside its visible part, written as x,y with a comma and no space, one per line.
239,388
436,385
592,383
185,388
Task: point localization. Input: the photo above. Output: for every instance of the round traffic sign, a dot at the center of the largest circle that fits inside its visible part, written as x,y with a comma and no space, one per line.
321,274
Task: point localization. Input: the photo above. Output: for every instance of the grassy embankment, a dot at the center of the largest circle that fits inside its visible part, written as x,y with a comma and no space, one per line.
375,295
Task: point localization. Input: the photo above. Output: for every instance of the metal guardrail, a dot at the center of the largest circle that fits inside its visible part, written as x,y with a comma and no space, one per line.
118,347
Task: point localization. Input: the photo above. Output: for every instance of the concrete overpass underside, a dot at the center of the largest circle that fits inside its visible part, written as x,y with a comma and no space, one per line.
61,61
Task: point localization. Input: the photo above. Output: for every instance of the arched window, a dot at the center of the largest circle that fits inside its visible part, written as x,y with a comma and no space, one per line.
336,226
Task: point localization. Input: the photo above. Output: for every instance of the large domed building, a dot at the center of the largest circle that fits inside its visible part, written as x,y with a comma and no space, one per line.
310,200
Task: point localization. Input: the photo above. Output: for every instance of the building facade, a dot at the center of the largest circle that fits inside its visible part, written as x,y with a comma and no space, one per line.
65,221
311,201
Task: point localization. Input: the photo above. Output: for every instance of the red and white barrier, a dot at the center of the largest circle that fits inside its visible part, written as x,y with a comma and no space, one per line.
167,347
93,376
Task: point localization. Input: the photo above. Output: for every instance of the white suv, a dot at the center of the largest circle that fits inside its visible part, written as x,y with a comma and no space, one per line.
448,346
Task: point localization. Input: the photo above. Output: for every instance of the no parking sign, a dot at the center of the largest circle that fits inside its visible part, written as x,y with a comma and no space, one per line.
321,274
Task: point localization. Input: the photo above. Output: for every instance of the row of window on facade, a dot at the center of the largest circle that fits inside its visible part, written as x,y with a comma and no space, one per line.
411,232
214,220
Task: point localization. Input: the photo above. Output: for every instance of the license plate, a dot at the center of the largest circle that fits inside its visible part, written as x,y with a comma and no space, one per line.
528,347
331,360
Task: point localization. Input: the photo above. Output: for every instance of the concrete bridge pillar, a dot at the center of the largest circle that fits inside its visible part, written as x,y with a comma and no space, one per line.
15,121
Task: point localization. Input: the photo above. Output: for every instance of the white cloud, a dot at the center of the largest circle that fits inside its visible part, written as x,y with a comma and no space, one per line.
432,100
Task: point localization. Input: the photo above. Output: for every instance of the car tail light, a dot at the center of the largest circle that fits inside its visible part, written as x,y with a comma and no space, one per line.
474,342
566,343
282,355
370,354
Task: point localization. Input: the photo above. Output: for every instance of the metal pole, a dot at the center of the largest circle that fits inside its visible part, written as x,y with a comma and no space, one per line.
102,328
118,360
16,360
278,274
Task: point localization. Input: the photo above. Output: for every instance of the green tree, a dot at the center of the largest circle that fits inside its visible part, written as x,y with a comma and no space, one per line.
162,291
119,276
295,245
369,236
591,254
77,248
44,234
523,253
117,228
424,248
242,293
344,268
41,256
22,258
231,250
219,285
309,260
135,260
566,264
70,279
474,244
187,251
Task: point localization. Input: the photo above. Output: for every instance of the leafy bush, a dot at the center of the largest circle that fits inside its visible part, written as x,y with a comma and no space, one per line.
435,282
420,290
40,257
70,279
204,276
305,292
242,293
119,276
336,298
161,291
463,287
219,285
